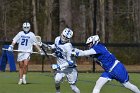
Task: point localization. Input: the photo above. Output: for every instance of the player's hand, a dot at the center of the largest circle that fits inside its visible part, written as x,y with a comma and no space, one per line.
49,47
41,52
55,66
10,48
39,43
75,54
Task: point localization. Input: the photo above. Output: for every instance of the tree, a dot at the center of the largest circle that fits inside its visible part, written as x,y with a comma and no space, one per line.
34,17
51,22
48,21
136,15
109,31
65,14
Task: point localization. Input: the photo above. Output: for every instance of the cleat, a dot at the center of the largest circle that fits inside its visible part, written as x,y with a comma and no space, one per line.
20,82
24,81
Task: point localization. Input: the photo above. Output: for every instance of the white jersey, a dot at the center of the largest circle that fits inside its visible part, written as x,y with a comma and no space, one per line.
63,52
25,41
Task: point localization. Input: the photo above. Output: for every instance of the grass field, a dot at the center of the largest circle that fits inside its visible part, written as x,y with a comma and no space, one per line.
43,83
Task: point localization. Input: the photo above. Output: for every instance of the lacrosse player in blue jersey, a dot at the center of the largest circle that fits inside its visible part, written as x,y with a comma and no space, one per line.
113,68
65,66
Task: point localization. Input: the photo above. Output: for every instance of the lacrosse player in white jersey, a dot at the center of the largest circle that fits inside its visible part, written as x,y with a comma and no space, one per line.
65,66
25,40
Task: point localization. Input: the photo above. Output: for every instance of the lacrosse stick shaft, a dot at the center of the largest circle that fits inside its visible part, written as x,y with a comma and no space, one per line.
21,51
29,52
51,54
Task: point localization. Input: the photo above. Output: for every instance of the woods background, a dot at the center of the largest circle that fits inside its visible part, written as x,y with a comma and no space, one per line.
115,21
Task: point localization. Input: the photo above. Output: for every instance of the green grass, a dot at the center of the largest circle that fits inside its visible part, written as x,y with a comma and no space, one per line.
43,83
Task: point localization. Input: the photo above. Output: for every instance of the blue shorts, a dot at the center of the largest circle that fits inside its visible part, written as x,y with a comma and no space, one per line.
119,73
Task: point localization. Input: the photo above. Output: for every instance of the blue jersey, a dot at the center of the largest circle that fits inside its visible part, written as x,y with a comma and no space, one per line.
104,57
114,69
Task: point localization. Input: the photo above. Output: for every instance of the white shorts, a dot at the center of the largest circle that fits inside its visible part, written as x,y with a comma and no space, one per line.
23,56
70,73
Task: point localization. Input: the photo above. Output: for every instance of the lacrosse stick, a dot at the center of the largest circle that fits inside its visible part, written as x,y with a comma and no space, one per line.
39,42
50,54
21,51
29,52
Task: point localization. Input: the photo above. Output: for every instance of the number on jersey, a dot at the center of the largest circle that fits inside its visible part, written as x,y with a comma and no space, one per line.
24,41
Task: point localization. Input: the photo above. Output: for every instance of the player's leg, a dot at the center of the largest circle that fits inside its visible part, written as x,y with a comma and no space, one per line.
131,87
72,78
25,68
74,88
120,74
99,84
20,72
26,58
58,78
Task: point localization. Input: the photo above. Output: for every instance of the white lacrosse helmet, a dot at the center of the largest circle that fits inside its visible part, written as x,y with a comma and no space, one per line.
26,26
93,39
66,35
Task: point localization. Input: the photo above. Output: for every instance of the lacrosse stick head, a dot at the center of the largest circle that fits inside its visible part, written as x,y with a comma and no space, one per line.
38,38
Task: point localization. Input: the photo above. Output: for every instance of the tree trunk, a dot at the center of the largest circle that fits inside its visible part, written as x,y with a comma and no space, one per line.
55,19
82,23
34,17
48,20
109,31
102,21
51,22
89,30
136,20
4,18
65,14
76,20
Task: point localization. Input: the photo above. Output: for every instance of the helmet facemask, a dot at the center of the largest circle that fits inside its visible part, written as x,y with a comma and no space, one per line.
26,27
66,35
93,40
90,44
64,39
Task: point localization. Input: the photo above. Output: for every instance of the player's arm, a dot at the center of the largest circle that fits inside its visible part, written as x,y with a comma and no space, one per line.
78,52
15,40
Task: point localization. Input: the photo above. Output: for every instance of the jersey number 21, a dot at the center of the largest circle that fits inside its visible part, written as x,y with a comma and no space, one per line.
24,41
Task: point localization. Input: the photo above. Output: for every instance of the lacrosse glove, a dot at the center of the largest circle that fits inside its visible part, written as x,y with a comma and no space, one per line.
55,66
41,52
10,48
75,54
